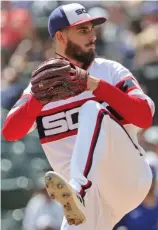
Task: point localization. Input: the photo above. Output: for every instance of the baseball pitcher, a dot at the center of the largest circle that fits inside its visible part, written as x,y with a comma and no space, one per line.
87,111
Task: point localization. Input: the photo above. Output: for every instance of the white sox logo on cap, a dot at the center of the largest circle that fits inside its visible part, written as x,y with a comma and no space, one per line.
81,11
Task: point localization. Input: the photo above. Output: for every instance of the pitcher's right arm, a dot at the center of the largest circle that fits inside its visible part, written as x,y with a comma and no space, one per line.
22,117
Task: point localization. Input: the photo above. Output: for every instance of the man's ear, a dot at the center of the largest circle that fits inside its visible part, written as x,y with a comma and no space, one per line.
60,36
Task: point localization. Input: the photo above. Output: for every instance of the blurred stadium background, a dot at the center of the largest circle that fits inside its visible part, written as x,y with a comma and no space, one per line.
130,36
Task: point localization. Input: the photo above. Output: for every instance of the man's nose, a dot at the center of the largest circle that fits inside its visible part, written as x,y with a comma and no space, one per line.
93,37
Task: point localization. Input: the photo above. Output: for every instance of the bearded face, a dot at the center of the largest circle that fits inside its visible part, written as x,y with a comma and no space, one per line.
76,52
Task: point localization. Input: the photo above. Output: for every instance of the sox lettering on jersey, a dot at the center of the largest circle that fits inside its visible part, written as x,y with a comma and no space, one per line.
60,122
54,125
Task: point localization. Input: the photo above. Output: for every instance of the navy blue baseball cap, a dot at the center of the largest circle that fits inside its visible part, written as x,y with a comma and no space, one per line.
70,15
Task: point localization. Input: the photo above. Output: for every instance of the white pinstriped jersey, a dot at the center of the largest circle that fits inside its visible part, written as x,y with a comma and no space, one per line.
58,121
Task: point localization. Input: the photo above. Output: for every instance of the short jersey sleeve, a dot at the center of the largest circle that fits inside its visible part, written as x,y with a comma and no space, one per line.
126,82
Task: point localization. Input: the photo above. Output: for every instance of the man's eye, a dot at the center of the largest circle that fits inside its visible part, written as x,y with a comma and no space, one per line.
83,31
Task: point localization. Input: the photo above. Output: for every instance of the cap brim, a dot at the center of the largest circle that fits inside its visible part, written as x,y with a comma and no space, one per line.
95,21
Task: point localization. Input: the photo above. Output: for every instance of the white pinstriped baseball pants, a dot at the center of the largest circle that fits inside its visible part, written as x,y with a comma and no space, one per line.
110,169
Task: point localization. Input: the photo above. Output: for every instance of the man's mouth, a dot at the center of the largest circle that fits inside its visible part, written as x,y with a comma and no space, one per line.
90,45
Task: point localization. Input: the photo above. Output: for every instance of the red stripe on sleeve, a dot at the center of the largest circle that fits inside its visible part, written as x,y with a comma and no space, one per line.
19,122
131,108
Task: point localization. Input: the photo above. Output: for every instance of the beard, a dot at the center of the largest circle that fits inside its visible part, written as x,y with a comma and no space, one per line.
74,51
